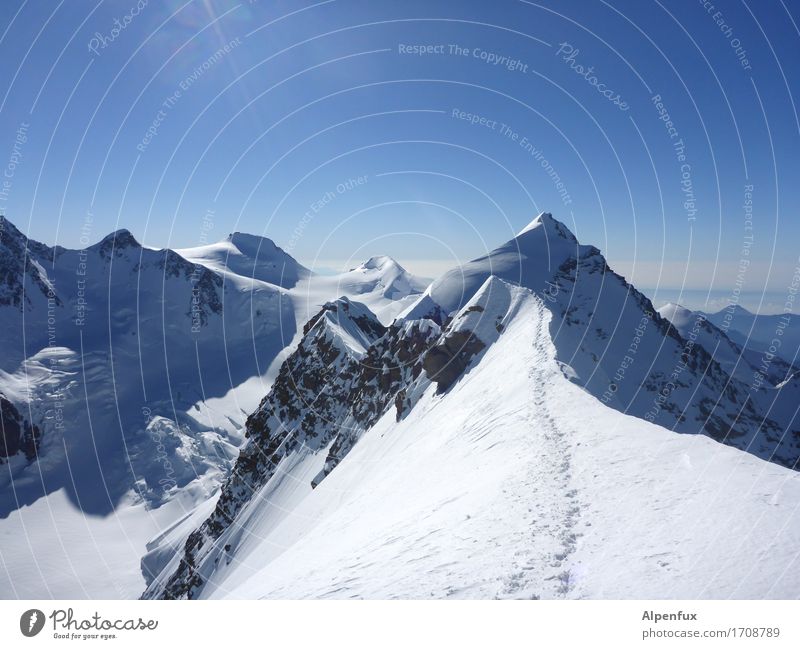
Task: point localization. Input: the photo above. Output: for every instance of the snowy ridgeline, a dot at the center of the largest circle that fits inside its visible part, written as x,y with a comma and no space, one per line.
469,450
512,431
517,483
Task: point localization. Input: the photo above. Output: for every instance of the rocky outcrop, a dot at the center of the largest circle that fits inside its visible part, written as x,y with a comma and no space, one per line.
20,259
447,361
116,244
17,435
387,369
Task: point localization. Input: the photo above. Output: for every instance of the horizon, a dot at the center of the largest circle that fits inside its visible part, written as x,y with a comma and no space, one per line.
701,300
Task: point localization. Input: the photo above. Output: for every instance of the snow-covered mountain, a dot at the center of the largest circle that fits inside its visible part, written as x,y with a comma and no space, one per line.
249,256
380,283
497,440
777,334
744,363
126,377
614,344
508,431
116,346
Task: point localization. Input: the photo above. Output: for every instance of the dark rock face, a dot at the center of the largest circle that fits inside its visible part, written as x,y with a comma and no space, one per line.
446,362
206,285
116,243
17,255
390,365
17,435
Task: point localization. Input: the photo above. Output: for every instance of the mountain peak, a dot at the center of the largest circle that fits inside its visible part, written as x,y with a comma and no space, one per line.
379,262
737,309
7,228
551,226
118,239
673,308
251,244
351,323
342,307
678,315
10,234
531,259
19,245
251,256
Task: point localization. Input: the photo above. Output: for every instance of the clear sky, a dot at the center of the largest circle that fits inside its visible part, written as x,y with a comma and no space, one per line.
429,131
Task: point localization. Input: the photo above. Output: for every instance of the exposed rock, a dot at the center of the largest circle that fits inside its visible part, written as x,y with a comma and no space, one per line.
17,262
446,362
17,435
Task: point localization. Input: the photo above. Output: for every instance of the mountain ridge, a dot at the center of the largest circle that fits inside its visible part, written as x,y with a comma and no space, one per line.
596,323
340,363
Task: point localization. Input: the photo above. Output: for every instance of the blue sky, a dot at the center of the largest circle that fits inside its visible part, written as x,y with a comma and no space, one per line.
345,129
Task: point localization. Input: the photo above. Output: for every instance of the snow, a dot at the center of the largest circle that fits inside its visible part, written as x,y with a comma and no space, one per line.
497,489
623,352
740,362
343,332
679,316
491,304
530,259
152,410
380,284
250,257
759,332
51,549
515,482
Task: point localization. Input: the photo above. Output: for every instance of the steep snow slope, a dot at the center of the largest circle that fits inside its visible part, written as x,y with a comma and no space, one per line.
592,330
517,483
340,379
